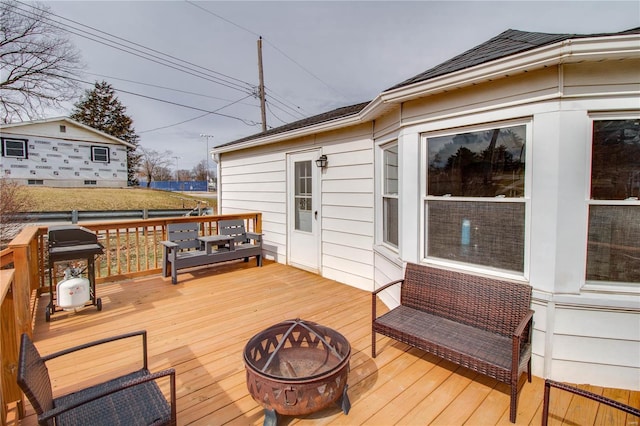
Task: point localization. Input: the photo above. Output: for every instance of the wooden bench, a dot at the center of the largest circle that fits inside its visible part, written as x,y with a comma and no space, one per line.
480,323
185,248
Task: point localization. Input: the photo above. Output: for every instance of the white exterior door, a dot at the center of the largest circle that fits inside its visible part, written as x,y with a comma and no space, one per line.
303,193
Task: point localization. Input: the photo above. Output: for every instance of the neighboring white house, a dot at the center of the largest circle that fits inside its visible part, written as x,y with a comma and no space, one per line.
62,152
519,158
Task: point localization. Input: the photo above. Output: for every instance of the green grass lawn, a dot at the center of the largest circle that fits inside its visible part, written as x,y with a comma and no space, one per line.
64,199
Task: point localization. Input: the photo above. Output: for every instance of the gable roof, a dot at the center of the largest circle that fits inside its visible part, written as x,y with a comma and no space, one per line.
505,44
69,121
510,42
305,122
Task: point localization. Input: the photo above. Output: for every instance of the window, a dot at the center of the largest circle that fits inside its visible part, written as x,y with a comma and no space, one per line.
613,248
35,182
14,148
63,128
99,154
475,203
90,182
303,196
390,195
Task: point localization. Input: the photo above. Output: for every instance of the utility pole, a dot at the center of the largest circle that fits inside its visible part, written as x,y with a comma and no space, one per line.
202,135
261,87
177,170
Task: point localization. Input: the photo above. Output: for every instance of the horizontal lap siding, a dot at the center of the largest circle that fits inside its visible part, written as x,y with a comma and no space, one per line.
348,208
257,182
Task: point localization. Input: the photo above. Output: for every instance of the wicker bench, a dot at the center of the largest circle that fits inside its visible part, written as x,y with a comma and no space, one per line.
477,322
185,248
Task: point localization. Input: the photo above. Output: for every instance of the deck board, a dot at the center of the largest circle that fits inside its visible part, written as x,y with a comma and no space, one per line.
200,327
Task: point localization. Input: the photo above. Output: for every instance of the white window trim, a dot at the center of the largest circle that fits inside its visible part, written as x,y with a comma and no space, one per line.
380,146
93,156
604,286
25,153
424,198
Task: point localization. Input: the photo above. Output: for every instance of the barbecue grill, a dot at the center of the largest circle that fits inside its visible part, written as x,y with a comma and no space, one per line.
72,242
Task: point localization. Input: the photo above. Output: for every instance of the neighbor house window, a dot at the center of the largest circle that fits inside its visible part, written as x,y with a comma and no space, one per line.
14,148
35,182
390,195
613,249
99,154
475,203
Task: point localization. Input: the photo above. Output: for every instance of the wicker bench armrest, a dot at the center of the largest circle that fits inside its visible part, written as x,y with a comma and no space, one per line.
142,333
374,297
108,390
386,286
523,324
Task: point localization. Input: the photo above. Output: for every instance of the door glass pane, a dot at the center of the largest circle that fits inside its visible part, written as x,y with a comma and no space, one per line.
303,196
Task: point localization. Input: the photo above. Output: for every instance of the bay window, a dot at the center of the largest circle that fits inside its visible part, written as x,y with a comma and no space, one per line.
475,201
613,249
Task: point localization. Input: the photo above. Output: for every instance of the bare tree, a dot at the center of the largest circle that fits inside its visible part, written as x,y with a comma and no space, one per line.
163,173
38,63
12,201
184,175
200,170
152,163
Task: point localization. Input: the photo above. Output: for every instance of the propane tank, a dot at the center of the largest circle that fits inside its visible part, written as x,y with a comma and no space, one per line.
73,291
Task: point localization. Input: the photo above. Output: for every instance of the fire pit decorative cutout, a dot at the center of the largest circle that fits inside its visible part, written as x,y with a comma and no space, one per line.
296,368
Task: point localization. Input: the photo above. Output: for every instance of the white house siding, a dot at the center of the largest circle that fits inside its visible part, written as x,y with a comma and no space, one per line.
255,180
581,334
63,159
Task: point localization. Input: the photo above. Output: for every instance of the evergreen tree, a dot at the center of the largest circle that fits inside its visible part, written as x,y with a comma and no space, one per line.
100,108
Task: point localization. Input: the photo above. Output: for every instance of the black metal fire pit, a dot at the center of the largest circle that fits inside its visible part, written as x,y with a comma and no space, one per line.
296,368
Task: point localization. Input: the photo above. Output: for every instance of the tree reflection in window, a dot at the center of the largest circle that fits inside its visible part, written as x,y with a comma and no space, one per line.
478,164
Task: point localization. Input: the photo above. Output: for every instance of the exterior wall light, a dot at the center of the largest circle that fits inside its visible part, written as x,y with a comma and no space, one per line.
322,161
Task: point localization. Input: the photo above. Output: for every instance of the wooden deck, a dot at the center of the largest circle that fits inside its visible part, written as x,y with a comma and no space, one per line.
201,325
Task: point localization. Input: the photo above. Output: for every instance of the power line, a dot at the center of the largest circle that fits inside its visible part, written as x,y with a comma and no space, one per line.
194,118
179,66
171,89
245,121
268,42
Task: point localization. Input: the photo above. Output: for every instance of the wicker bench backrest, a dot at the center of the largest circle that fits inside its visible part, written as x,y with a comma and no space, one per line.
33,377
184,234
490,304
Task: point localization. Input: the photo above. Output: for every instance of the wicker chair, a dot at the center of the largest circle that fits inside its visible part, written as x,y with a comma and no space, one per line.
548,384
131,399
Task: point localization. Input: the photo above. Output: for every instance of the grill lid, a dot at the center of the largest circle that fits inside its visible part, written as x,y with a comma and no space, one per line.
68,241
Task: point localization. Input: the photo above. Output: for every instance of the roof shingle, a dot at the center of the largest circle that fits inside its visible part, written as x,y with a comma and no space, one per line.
508,43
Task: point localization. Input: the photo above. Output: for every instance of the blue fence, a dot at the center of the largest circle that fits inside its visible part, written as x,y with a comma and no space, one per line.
175,185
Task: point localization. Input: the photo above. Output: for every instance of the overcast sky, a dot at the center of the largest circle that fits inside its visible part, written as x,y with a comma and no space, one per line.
317,56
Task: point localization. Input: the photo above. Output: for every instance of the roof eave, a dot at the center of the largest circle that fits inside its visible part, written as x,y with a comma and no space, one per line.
73,122
568,51
337,123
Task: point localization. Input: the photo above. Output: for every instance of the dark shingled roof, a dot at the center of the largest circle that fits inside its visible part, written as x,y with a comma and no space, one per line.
508,43
306,122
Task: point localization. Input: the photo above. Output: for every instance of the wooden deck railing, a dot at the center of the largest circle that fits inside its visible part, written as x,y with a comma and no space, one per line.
131,249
